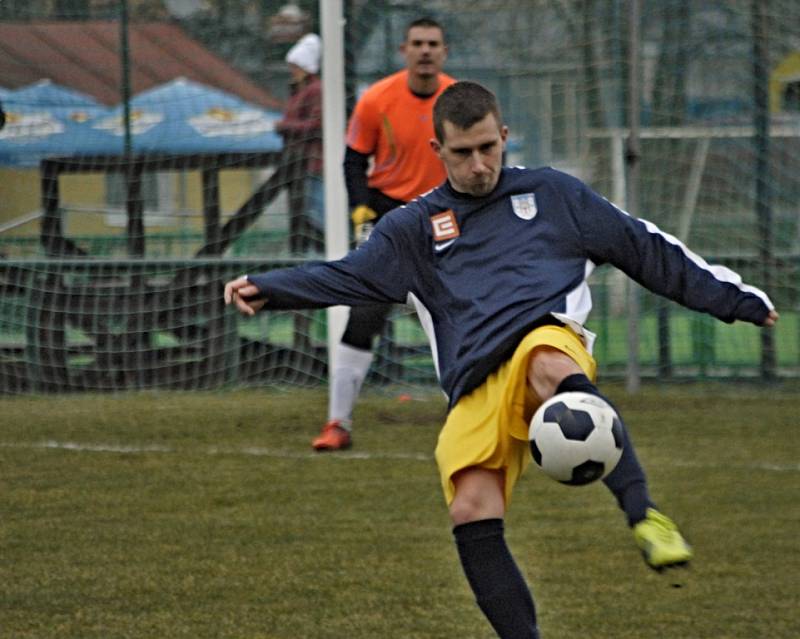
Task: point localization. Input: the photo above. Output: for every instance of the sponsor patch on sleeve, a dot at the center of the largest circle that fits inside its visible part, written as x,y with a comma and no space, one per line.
444,226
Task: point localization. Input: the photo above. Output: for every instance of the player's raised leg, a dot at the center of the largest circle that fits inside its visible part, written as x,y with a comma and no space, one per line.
552,371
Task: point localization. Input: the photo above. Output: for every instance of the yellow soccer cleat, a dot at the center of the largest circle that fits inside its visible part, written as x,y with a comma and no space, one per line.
661,542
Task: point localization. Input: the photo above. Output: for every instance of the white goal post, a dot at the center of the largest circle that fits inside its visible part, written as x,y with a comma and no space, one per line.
334,120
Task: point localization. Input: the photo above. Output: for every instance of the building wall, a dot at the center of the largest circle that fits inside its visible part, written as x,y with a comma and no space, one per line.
83,198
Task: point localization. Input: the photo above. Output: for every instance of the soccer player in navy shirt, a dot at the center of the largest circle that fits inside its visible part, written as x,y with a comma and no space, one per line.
496,261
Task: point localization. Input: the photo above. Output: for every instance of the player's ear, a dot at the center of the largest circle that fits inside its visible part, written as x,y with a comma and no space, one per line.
504,136
436,146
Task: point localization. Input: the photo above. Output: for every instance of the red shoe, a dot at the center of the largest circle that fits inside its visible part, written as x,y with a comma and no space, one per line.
332,437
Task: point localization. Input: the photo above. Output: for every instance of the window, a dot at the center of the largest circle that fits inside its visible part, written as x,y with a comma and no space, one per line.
791,97
156,194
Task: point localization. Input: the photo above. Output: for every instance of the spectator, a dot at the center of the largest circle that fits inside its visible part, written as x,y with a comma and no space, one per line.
301,128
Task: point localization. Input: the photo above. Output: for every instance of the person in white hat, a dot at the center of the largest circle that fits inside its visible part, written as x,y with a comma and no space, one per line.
301,128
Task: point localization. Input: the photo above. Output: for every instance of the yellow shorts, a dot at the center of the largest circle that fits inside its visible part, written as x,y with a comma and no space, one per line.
489,427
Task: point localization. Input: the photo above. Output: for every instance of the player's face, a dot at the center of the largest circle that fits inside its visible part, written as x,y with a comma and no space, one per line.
424,51
473,157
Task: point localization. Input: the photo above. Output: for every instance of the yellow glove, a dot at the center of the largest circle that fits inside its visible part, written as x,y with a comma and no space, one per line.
362,217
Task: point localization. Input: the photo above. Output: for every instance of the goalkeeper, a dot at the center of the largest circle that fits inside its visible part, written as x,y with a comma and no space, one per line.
392,126
497,261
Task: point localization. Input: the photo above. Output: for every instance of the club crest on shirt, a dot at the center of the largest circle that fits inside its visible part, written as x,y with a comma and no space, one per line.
444,226
524,206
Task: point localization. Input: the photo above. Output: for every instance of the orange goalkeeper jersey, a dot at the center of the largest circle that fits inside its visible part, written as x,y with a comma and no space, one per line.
395,127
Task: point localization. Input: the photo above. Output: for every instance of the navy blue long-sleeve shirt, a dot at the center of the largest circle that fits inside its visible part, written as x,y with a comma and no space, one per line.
483,271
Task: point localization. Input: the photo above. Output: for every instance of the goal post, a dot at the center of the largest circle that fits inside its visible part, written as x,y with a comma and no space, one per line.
337,222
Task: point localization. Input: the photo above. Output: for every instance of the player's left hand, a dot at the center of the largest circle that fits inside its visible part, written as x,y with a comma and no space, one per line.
240,292
772,318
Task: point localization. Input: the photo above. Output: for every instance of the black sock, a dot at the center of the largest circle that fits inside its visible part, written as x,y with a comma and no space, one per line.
627,481
499,587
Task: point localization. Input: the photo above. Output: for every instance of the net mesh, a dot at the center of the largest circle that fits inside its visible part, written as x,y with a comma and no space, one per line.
119,225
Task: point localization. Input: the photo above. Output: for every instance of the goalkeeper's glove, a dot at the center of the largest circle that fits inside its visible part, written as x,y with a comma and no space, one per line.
363,222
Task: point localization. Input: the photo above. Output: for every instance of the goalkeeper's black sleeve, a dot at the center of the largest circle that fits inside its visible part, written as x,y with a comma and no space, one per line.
355,177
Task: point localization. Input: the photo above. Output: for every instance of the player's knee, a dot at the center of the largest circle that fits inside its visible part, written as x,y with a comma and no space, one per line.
547,368
479,495
465,510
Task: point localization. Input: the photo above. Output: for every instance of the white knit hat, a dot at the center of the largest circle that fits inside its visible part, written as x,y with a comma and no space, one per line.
305,53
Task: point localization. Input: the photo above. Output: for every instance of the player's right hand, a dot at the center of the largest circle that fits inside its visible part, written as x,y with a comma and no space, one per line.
772,318
242,293
363,222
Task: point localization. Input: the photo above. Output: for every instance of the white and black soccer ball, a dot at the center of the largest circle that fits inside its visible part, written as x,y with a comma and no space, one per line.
576,438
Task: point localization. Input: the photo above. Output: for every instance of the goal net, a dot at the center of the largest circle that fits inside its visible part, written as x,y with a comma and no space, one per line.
143,163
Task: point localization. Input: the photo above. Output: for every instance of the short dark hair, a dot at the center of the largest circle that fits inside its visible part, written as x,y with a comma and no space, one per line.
428,23
464,104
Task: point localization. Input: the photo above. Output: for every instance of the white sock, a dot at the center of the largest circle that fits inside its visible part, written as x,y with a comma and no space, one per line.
350,370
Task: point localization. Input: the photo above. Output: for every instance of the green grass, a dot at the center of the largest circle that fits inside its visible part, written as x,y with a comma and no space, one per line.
217,522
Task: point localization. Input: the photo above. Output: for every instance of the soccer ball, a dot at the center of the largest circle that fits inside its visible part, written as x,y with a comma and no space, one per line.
576,438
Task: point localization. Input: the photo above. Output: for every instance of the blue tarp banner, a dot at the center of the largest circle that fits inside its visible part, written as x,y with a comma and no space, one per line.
183,117
180,117
45,119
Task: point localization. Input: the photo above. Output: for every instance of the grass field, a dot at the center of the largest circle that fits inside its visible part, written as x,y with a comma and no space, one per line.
167,515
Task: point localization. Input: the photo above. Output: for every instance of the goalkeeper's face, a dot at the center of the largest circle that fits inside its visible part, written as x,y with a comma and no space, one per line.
473,157
424,51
